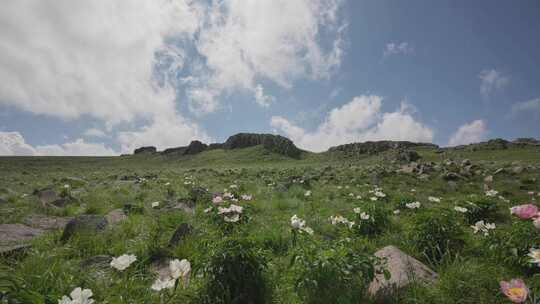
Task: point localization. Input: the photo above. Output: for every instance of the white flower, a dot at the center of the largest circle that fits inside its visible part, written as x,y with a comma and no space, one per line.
373,198
380,194
364,216
307,193
300,225
535,256
414,205
78,296
530,193
233,186
167,184
66,186
396,212
492,193
217,200
122,262
461,209
338,219
228,195
180,269
231,209
232,218
246,197
358,197
480,226
357,210
536,222
413,190
160,284
187,183
155,204
434,199
207,209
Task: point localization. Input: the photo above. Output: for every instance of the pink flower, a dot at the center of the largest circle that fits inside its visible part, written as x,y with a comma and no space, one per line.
515,290
526,211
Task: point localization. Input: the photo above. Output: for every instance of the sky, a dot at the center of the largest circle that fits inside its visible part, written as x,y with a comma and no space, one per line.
104,77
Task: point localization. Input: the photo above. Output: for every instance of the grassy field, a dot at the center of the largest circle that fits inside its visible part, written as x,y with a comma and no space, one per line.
261,258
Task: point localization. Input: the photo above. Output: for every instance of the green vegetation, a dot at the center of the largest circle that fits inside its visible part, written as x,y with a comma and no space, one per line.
254,255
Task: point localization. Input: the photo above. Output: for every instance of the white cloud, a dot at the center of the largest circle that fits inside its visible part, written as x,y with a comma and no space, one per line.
395,48
532,105
469,133
278,40
359,120
491,81
13,143
262,99
93,132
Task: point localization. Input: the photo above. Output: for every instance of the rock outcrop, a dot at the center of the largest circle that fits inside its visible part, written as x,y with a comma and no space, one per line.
145,150
374,147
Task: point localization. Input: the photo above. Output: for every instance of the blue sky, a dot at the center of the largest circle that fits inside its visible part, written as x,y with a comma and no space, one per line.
320,72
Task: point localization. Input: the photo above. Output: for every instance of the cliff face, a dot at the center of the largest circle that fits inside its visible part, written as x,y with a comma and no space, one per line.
374,147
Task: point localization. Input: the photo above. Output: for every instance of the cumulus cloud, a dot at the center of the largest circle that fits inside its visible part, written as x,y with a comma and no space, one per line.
262,99
13,143
395,48
93,132
359,120
469,133
492,80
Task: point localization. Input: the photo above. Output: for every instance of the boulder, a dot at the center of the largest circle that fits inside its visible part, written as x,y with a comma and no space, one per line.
180,233
374,147
403,270
47,222
451,176
16,236
408,156
115,216
273,143
195,147
84,224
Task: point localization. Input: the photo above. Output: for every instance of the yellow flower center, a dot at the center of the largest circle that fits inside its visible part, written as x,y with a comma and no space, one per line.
516,291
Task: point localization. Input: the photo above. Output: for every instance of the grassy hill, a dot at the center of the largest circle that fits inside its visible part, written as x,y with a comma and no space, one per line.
261,258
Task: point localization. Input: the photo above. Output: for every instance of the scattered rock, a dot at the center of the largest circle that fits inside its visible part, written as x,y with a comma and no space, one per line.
145,150
115,216
16,236
180,233
47,222
403,269
84,224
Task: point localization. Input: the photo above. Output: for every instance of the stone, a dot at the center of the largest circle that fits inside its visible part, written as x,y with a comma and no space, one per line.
274,143
517,170
47,196
451,176
16,236
465,162
187,208
47,222
145,150
408,156
452,185
84,224
403,269
115,216
410,168
488,179
180,233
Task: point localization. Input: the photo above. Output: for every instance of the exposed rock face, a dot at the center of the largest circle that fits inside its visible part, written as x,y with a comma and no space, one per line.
145,150
195,147
84,224
500,144
374,147
274,143
408,156
403,269
47,222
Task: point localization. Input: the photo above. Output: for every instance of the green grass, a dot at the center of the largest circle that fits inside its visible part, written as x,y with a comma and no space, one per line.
50,269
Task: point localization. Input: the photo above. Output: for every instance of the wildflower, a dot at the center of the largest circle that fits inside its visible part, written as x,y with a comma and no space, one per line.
338,219
461,209
414,205
492,193
364,216
217,200
180,269
373,198
396,212
535,255
380,194
231,209
300,225
167,184
66,186
207,209
536,222
307,193
246,197
233,186
228,195
232,218
160,284
480,226
525,211
434,199
78,296
515,290
357,210
155,204
358,197
122,262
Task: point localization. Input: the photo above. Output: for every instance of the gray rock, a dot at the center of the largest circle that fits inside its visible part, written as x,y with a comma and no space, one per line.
517,170
488,179
84,224
451,176
403,269
145,150
180,233
16,236
47,196
465,162
115,216
408,156
47,222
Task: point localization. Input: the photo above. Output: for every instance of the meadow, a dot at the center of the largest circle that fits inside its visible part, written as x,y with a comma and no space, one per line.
252,226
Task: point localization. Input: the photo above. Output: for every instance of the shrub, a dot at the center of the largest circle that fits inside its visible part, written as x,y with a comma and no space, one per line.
436,234
339,274
234,273
379,219
510,244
